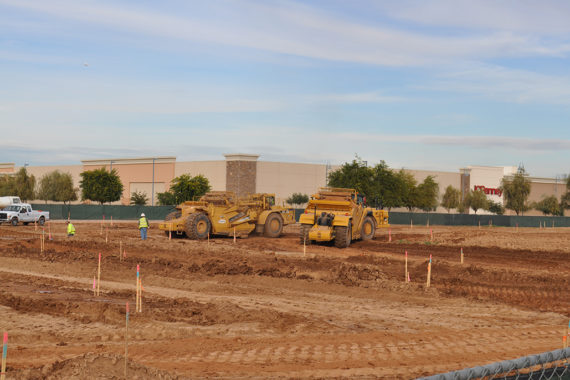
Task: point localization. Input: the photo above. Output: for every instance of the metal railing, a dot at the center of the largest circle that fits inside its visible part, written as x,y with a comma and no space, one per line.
553,365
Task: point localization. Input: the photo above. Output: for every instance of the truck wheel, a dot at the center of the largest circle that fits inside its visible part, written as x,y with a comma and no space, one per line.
197,226
368,228
173,215
273,225
42,221
14,221
304,234
342,237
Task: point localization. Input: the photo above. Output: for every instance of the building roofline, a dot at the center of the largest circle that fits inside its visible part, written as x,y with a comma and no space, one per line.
129,161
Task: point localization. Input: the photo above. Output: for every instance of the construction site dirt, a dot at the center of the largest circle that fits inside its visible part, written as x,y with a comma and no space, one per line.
262,308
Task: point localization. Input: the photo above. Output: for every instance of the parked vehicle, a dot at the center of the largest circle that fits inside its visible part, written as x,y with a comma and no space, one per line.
23,213
7,201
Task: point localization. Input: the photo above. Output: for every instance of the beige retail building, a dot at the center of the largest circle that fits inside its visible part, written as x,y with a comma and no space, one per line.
246,173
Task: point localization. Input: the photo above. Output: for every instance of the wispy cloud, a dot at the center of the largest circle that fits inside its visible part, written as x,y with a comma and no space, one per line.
362,97
505,84
481,142
545,17
492,142
295,29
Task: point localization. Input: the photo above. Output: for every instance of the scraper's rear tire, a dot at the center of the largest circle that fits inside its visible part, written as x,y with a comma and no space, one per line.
197,226
304,234
342,237
368,228
273,225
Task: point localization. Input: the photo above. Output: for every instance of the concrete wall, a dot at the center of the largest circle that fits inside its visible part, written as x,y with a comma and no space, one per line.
7,167
140,172
40,171
542,188
215,171
284,178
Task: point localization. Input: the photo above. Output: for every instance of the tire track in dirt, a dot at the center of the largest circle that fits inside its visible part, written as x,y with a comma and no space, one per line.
359,351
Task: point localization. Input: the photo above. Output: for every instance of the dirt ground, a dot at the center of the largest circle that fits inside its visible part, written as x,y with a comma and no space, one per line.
260,308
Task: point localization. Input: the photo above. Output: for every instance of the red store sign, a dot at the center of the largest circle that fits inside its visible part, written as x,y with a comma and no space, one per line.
489,191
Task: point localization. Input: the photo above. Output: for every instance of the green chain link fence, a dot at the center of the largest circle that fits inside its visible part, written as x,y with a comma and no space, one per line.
548,365
96,212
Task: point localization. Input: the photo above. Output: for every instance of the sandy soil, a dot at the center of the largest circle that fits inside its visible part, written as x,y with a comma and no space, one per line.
259,308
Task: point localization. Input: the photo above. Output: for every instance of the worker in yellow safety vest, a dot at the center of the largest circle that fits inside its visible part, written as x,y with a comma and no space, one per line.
70,229
143,226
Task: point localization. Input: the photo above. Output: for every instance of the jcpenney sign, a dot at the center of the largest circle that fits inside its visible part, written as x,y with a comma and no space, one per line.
489,191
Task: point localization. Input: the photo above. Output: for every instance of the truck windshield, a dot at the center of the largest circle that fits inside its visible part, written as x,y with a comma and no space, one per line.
12,208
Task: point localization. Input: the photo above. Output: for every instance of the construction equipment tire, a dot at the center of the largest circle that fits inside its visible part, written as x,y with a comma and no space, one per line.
273,225
197,226
368,228
173,215
304,234
342,237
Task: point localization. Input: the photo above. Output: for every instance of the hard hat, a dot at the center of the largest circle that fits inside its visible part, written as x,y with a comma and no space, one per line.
142,214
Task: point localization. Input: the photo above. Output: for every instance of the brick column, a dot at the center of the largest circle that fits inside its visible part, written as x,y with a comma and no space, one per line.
241,173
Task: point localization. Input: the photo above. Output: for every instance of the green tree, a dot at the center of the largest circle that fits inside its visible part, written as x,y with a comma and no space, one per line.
101,186
496,208
476,200
58,187
407,187
139,198
548,206
427,194
462,207
184,188
166,198
297,199
386,187
516,191
451,198
354,175
7,185
23,185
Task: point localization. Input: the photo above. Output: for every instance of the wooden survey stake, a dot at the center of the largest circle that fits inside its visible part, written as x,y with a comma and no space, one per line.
429,273
406,275
99,275
138,297
126,337
4,354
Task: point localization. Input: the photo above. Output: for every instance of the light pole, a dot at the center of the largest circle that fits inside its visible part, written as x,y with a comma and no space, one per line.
111,166
152,191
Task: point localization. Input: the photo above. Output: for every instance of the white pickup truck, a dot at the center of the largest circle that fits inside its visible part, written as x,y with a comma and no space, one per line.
23,213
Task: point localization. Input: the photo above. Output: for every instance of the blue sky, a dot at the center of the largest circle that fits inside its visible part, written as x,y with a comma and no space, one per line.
420,84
